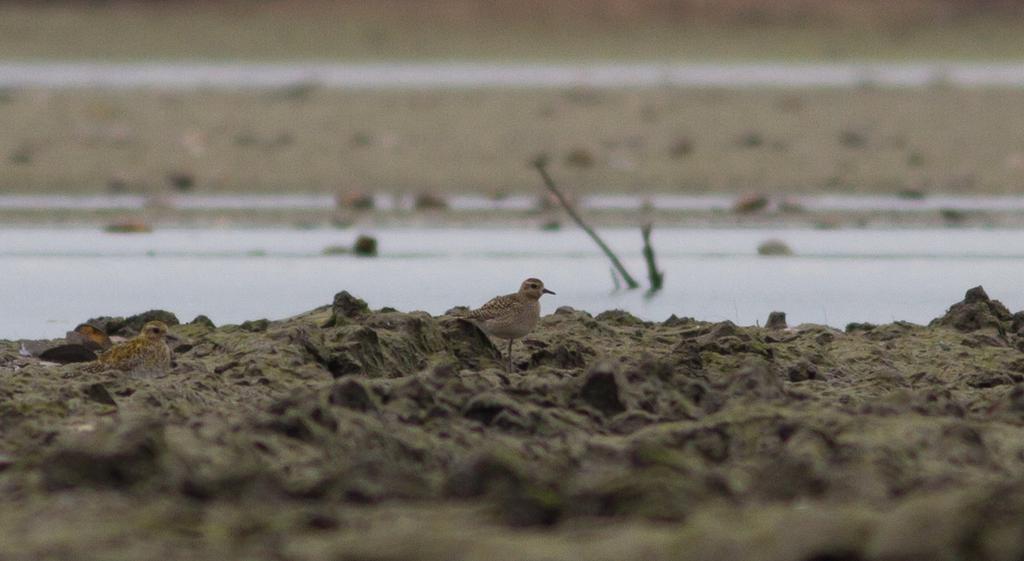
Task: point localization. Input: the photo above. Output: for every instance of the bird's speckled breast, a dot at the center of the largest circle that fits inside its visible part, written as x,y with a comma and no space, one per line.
517,325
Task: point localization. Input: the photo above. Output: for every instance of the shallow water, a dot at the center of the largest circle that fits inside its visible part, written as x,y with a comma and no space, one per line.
170,75
53,279
400,201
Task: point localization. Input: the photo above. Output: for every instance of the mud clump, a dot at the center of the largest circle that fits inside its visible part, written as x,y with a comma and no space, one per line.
757,380
117,458
353,395
346,307
601,389
328,434
803,371
776,320
976,311
131,325
498,475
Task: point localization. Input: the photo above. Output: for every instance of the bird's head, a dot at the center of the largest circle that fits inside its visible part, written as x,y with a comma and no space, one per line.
154,330
534,288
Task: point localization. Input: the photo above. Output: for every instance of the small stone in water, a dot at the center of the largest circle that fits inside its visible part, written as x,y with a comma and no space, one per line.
365,246
774,247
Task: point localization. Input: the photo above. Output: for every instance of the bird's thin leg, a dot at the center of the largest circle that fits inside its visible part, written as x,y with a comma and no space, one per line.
510,356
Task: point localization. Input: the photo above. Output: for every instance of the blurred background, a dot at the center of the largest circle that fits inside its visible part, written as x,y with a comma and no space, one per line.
838,160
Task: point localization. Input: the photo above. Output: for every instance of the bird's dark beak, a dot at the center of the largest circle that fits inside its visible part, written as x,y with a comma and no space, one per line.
546,291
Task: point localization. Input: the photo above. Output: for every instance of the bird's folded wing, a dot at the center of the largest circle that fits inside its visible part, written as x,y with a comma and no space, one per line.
495,307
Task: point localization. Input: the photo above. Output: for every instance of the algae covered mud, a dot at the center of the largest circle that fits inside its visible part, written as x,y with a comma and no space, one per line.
350,433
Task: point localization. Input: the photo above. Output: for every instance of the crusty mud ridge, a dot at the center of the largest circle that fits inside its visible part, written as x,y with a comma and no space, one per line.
348,433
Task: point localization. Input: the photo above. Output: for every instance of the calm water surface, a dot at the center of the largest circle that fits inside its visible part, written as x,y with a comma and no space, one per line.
52,279
428,75
398,201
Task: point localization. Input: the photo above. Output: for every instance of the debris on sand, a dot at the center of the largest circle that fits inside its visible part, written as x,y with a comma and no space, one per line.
749,204
751,139
128,226
181,181
427,200
355,200
580,158
680,148
790,205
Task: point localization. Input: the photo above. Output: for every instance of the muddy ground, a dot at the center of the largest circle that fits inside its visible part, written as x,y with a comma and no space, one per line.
346,433
306,139
532,30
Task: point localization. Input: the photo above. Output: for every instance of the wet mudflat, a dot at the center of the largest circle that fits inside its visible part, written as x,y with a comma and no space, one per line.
350,433
310,140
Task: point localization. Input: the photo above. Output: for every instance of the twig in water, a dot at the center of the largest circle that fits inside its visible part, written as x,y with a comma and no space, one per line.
656,277
541,164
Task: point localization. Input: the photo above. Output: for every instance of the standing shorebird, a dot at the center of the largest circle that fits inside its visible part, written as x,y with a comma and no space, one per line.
147,354
511,316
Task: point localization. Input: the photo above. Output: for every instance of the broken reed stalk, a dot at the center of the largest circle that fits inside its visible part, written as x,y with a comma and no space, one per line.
541,164
656,277
615,280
